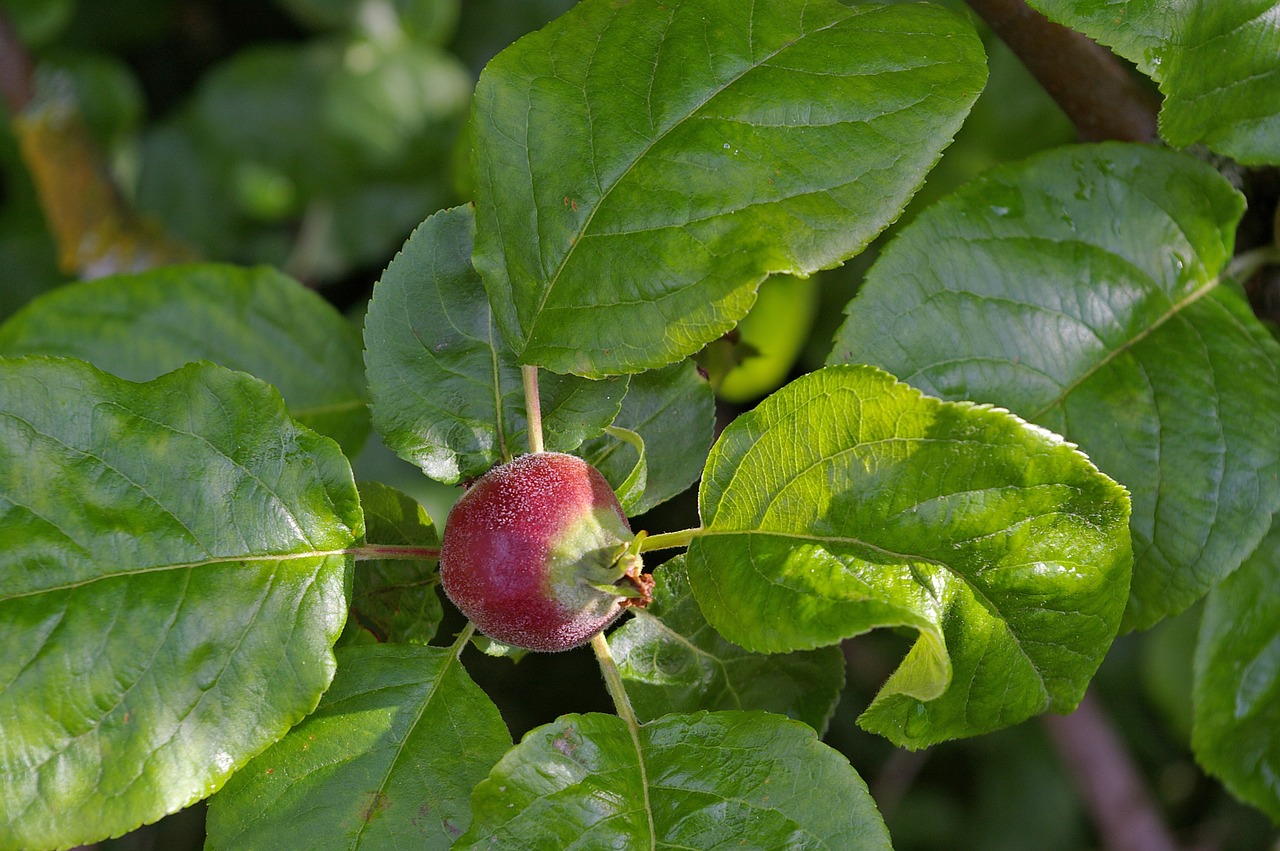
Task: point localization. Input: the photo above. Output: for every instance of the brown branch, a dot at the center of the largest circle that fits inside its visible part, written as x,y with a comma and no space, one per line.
15,68
1094,88
1118,802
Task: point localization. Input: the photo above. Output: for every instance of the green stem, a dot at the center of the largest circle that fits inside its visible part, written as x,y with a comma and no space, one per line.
613,681
667,540
1245,264
369,552
532,407
460,643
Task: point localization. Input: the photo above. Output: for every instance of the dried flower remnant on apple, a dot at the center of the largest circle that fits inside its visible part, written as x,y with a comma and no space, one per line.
538,553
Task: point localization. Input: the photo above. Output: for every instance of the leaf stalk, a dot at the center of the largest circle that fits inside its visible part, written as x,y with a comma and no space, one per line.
668,540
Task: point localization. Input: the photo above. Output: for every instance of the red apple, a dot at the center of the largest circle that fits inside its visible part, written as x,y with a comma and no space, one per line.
536,553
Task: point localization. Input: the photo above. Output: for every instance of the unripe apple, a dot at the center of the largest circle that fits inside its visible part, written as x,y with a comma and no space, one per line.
538,553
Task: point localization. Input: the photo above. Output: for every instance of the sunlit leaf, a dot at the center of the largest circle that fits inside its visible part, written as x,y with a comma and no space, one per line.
1082,289
848,501
173,577
709,780
641,167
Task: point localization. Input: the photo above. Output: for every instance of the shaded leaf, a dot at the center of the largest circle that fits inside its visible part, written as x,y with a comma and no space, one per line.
255,320
397,597
447,391
1236,731
673,661
634,185
672,409
173,576
388,760
709,780
1081,290
1215,63
848,501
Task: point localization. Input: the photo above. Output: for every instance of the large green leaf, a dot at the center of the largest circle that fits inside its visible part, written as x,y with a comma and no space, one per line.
673,410
1215,61
709,780
641,167
1236,733
388,760
447,391
255,320
848,501
673,661
1081,290
172,579
396,597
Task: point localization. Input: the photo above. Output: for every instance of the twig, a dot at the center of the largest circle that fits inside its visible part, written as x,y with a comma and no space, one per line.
15,68
896,777
1119,804
1096,91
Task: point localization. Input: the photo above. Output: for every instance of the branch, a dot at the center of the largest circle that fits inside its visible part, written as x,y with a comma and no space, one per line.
15,68
1094,88
1118,802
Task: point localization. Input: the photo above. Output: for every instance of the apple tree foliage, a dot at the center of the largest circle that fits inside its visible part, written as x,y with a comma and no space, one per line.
1048,418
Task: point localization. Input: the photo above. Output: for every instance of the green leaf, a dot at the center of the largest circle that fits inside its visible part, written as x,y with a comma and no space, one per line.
397,597
255,320
1080,289
1215,63
173,577
641,167
631,489
267,105
447,391
673,661
390,98
848,501
388,760
709,780
1236,731
673,410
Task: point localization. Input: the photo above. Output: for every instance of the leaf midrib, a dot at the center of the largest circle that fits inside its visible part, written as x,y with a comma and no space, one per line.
160,568
450,659
1174,310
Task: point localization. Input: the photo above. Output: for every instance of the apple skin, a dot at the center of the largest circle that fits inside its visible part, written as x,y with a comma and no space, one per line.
530,549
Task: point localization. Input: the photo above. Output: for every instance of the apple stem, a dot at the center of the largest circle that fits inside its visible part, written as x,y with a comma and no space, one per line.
532,407
667,540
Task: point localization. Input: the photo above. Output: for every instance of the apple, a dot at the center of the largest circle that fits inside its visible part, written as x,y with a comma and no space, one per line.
538,553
